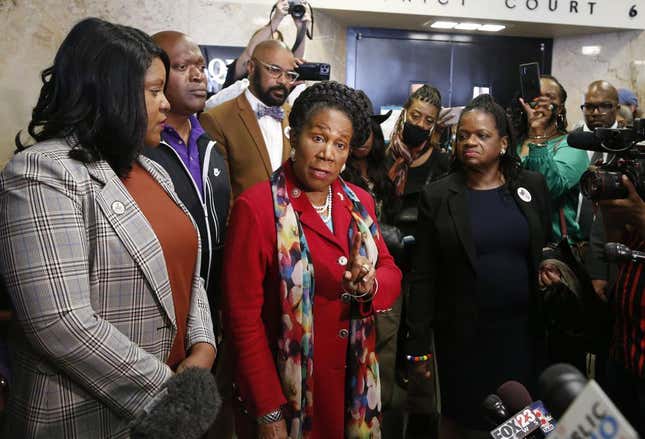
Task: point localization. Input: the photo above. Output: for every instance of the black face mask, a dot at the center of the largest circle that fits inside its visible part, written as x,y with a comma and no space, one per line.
414,135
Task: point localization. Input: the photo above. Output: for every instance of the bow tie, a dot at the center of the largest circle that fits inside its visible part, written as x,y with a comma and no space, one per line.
275,112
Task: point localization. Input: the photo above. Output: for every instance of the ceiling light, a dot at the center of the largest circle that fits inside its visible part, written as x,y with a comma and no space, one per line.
591,50
443,24
492,28
468,26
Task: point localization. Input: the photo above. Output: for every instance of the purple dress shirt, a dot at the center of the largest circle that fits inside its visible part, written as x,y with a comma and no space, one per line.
189,154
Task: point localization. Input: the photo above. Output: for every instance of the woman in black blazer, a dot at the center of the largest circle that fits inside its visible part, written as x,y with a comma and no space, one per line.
480,235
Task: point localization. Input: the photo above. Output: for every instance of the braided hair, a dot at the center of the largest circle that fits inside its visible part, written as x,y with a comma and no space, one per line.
327,95
509,161
425,93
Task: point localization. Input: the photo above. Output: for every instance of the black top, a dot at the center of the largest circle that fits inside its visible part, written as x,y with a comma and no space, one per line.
445,272
501,348
210,215
501,236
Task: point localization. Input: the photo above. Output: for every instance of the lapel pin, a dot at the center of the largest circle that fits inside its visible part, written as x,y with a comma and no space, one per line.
295,192
524,194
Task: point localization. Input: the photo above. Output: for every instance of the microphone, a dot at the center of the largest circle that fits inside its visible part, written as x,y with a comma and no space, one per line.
184,408
585,140
584,410
494,411
617,252
531,419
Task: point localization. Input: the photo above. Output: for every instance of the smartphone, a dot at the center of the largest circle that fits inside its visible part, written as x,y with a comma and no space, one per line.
314,71
530,81
450,116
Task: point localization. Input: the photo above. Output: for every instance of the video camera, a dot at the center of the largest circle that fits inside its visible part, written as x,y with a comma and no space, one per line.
626,157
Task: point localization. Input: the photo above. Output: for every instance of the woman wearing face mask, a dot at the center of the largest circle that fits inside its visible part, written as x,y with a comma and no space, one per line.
480,235
412,159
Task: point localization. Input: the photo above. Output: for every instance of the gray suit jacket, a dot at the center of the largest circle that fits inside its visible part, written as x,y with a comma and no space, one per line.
95,319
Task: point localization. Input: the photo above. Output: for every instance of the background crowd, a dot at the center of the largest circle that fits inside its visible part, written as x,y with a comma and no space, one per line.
337,283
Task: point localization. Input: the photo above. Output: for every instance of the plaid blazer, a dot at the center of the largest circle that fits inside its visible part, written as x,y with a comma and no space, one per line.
95,319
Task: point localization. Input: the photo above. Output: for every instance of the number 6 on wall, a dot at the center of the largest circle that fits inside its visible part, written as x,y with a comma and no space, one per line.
633,12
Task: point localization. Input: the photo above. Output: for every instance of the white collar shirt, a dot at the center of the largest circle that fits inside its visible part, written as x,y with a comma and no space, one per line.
271,131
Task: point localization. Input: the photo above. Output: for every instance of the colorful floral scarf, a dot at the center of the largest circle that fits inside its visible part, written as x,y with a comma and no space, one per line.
403,156
296,345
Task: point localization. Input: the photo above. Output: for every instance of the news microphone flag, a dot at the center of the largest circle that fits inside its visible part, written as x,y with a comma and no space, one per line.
532,418
593,415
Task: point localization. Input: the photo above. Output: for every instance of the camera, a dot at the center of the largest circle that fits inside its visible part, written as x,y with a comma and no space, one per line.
626,157
313,71
297,9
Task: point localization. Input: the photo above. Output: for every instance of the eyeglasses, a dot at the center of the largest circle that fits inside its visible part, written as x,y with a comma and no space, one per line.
275,72
603,107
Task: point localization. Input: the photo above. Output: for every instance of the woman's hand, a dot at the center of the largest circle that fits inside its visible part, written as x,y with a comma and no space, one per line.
548,275
282,9
201,355
421,369
274,430
539,114
360,276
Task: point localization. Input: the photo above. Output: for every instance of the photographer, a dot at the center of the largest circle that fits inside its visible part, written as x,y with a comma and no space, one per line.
238,68
625,222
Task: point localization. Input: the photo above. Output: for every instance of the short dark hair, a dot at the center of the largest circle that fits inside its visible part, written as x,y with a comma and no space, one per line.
509,161
425,93
331,94
93,94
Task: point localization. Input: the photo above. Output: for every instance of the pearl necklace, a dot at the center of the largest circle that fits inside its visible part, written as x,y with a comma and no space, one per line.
325,207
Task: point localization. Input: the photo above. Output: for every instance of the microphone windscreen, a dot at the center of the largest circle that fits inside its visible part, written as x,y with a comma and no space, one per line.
584,140
494,411
559,386
514,395
615,251
186,408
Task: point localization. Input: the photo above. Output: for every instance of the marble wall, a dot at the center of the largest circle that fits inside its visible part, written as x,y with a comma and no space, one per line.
33,30
621,61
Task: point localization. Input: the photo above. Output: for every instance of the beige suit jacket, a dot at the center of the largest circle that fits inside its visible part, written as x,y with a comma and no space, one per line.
234,126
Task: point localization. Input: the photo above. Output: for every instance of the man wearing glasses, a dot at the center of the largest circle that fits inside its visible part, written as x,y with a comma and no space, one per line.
250,130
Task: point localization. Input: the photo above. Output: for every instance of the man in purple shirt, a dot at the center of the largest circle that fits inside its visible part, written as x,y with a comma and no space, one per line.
199,173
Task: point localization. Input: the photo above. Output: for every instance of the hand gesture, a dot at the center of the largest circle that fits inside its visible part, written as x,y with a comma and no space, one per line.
548,276
539,114
282,8
360,274
274,430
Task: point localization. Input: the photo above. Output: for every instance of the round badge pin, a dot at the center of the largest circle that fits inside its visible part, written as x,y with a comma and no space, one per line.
295,192
524,194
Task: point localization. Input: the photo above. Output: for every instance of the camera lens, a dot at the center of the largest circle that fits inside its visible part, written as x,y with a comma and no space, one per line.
602,185
297,10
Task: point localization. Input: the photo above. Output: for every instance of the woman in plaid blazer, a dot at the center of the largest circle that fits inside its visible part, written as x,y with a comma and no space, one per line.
95,317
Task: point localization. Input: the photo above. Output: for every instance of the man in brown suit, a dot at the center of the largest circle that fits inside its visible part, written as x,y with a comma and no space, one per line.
250,129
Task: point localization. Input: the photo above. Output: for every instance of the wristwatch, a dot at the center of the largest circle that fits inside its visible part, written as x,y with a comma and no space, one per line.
271,417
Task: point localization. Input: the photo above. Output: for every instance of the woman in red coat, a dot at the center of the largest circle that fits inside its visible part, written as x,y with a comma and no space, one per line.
305,269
